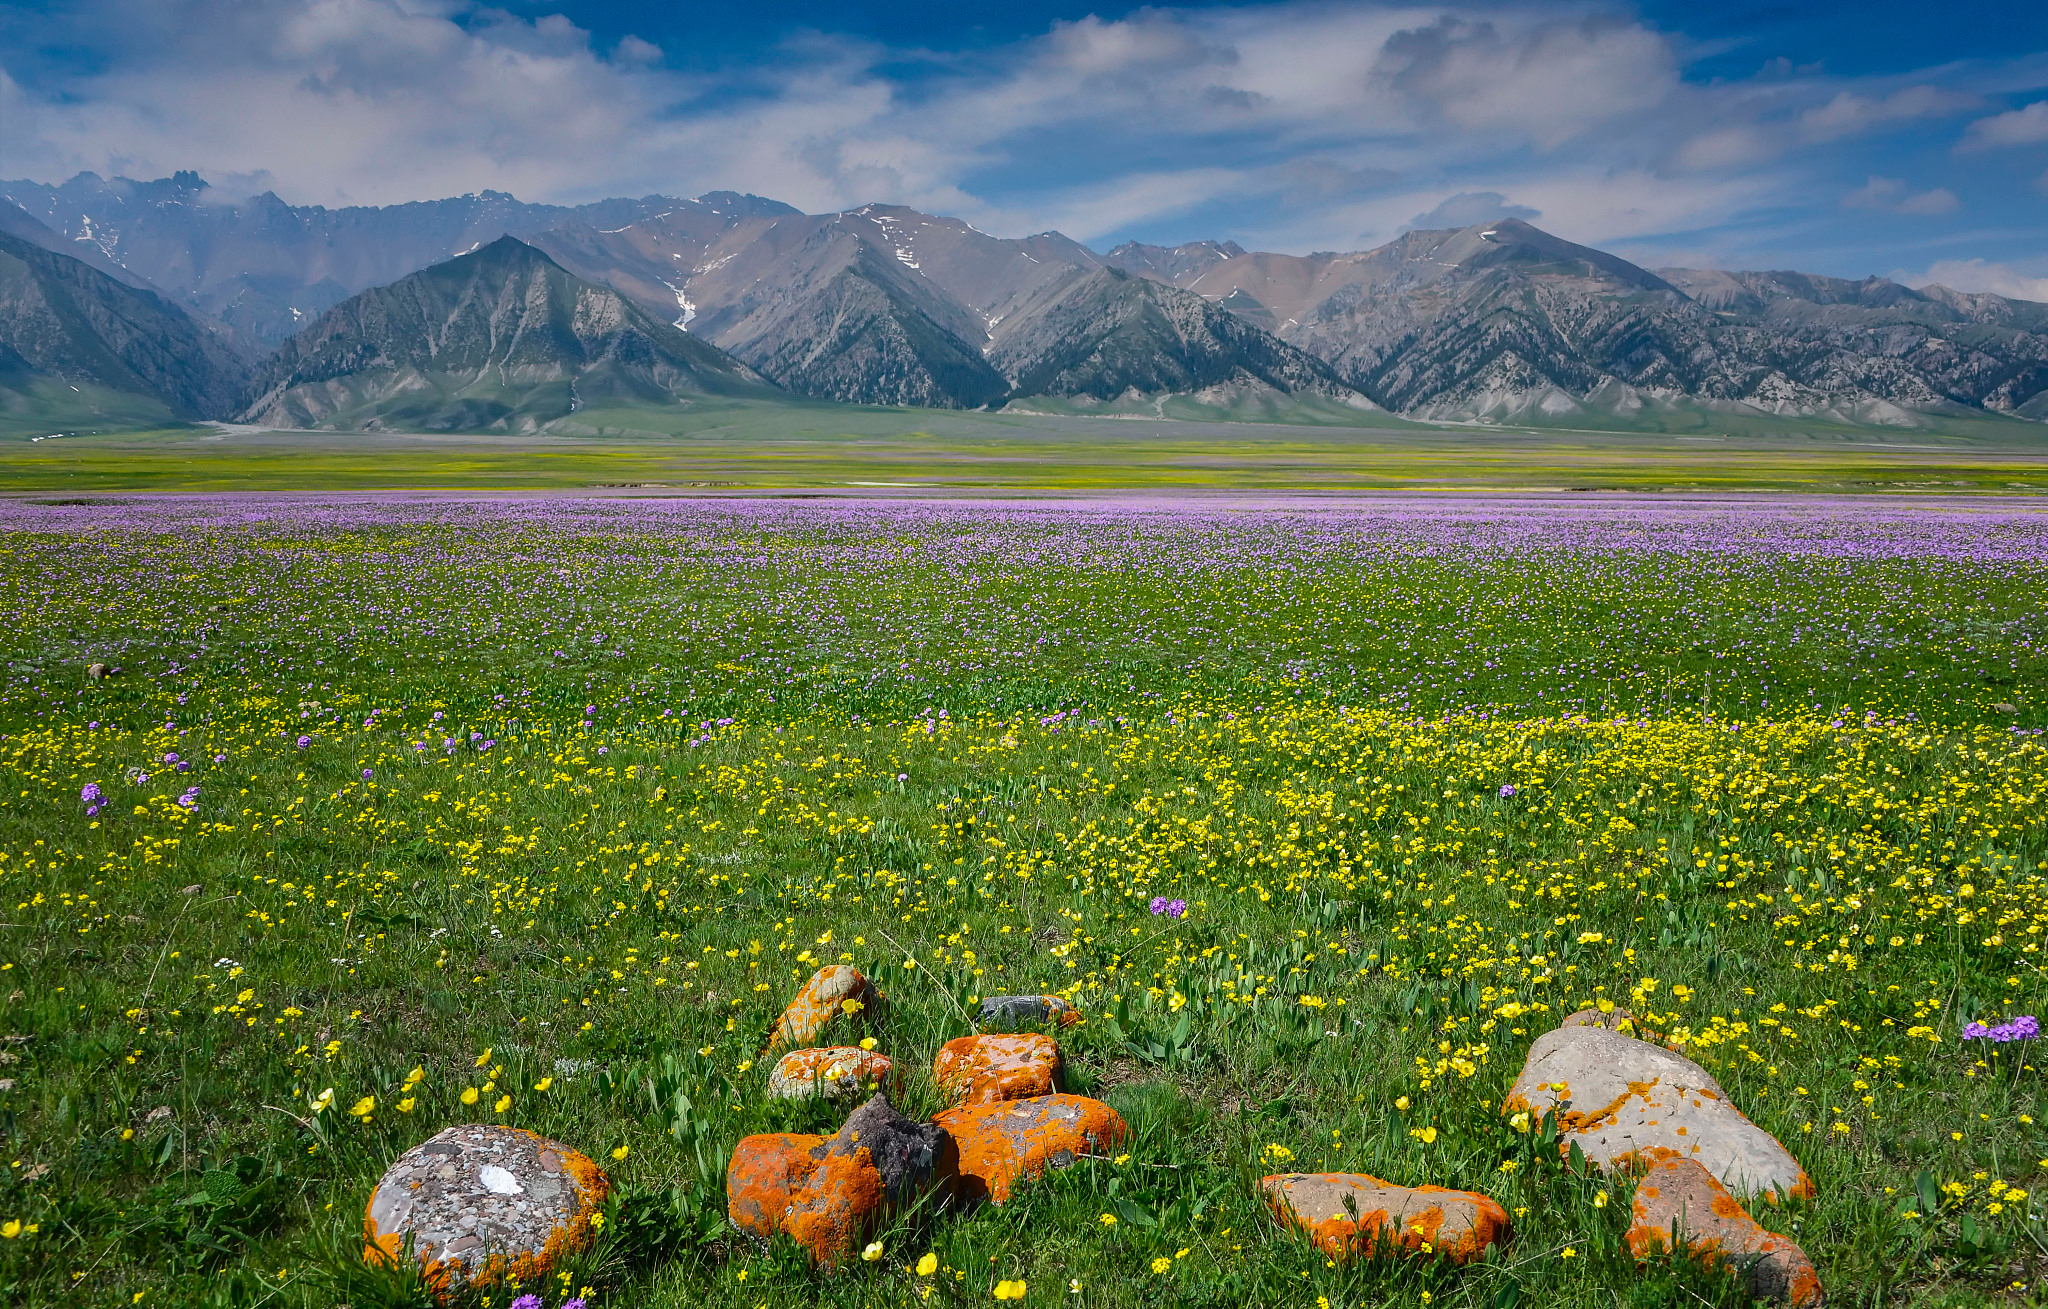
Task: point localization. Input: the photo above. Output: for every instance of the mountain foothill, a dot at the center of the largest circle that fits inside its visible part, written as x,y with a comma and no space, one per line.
126,303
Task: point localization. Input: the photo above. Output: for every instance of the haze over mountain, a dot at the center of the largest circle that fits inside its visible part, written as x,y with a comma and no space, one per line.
79,348
1496,321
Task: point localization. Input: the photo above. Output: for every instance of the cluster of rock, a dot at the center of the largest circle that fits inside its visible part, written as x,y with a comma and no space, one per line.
1008,1122
476,1204
1631,1107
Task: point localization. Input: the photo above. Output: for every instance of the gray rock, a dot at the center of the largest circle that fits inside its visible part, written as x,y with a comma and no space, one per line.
1001,1013
910,1156
1627,1103
476,1200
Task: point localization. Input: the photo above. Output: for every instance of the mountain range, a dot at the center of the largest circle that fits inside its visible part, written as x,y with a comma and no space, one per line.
431,316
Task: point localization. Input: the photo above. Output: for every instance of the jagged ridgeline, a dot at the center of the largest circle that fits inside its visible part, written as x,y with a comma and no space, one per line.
501,339
1498,322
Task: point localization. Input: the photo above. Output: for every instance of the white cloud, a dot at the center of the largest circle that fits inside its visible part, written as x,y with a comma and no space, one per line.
1849,113
1981,275
1338,120
1894,196
2024,126
1469,207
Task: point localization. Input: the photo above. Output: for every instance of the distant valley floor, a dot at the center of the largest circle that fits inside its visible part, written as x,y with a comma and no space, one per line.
776,447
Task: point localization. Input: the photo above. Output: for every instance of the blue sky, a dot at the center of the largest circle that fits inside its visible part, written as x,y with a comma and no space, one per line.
1908,140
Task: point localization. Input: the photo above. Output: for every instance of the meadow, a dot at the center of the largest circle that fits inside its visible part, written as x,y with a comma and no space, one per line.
389,814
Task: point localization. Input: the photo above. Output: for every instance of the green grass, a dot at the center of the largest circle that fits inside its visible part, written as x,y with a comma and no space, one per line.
793,446
1303,735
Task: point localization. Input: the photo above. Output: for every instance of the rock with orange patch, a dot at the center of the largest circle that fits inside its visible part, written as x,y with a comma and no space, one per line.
836,1072
1680,1205
1007,1012
986,1069
1006,1141
1355,1214
1628,1103
480,1204
828,995
829,1191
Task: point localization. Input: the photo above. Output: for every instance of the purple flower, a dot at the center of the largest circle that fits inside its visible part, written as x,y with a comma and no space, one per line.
577,1303
1975,1032
184,765
1158,904
305,741
92,811
1176,908
449,743
528,1301
367,774
2023,1028
90,793
1507,791
220,759
482,746
171,758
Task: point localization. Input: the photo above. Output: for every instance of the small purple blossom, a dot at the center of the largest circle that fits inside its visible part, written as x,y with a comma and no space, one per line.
2022,1028
171,758
90,793
577,1303
1507,791
305,741
1158,905
368,774
1175,908
527,1301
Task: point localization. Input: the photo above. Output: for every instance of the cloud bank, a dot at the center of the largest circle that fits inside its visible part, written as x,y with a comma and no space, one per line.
1291,126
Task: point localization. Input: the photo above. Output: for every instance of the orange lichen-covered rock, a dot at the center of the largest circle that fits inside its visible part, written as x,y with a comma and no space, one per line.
986,1069
763,1178
833,990
1627,1103
1006,1141
834,1071
827,1191
1680,1205
480,1204
1355,1214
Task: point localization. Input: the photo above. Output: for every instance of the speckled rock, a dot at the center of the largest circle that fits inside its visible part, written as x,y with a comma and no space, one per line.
1002,1143
1355,1214
1008,1012
828,1191
481,1203
1615,1019
823,998
834,1071
986,1069
1627,1104
1679,1204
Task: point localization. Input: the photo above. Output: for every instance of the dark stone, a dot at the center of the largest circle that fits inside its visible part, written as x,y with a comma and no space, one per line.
910,1156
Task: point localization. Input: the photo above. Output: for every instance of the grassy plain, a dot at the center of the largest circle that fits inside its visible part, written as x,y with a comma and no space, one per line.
556,803
785,446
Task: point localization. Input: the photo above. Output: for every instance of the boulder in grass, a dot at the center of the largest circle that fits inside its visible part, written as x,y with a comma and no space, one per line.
988,1068
481,1204
836,1072
1008,1012
1627,1104
1349,1214
1679,1205
833,990
828,1191
1004,1142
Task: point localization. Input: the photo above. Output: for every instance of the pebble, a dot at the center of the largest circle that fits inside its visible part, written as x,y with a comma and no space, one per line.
482,1203
1349,1214
1007,1012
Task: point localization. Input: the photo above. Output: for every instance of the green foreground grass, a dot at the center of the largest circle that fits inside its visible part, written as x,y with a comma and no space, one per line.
792,446
559,812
